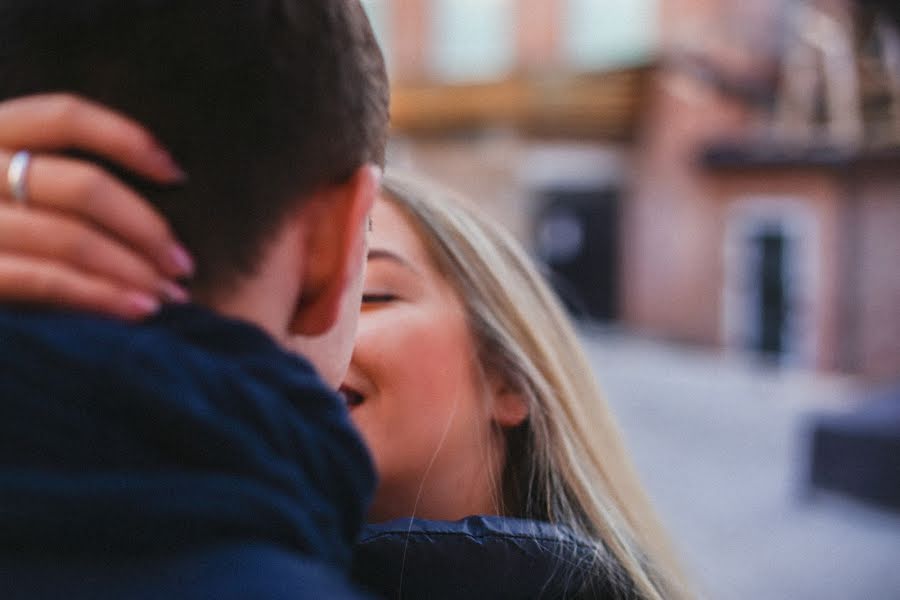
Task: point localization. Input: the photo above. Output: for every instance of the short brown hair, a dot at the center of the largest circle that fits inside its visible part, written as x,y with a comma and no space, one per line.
259,101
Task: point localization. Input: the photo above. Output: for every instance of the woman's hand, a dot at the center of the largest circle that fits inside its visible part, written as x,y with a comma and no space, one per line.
84,240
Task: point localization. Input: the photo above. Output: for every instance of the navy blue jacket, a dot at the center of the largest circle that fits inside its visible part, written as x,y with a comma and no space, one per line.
181,457
484,557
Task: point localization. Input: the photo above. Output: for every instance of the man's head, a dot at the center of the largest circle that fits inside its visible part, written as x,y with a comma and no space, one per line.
265,104
261,102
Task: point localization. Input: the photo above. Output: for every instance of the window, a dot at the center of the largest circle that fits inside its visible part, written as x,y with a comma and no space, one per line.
472,39
605,34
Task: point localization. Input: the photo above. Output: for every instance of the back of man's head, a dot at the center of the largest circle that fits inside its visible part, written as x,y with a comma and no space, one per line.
261,102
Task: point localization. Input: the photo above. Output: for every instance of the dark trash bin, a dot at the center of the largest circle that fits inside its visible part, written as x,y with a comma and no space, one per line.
858,454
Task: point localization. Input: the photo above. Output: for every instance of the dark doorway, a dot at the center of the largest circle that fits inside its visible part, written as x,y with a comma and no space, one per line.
772,296
577,238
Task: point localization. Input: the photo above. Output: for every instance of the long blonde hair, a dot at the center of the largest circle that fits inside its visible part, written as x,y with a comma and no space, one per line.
566,464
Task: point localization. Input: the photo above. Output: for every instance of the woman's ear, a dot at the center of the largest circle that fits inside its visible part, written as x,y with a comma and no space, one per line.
335,223
510,407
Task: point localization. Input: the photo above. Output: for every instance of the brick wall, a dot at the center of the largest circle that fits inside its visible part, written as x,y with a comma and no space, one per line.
878,315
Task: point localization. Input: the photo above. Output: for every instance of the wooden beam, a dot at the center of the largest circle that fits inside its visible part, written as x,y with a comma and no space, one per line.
604,105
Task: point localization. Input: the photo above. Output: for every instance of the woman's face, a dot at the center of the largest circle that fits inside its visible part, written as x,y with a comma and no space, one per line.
413,387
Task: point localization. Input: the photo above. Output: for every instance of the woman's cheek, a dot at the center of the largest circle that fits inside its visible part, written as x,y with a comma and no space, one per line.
427,354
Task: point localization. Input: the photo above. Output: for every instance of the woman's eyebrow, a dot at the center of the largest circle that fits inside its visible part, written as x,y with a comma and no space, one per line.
383,254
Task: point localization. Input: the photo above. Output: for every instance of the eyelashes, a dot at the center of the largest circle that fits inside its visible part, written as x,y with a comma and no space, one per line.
378,298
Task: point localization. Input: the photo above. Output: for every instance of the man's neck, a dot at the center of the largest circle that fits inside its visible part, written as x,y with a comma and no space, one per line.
268,297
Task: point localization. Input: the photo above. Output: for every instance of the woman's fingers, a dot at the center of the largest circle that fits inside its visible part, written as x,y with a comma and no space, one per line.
84,239
45,282
54,237
87,192
63,121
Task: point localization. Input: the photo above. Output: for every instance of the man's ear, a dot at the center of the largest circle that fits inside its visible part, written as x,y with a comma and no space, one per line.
510,408
334,220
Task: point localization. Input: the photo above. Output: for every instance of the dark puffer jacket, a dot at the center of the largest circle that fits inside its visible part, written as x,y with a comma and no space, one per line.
483,557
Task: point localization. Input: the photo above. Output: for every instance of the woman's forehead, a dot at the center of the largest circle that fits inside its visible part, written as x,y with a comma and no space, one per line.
393,231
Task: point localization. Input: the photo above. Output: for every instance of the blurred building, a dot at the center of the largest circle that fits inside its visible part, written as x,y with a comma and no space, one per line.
714,171
766,209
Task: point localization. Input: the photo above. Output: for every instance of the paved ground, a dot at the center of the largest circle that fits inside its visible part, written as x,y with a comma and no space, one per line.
720,445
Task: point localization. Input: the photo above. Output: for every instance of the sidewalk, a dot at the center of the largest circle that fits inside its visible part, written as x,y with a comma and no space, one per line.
720,445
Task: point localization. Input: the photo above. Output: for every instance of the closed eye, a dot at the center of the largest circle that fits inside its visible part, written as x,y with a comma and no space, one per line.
379,298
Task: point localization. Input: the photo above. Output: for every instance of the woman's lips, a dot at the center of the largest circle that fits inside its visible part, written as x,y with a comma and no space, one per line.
352,397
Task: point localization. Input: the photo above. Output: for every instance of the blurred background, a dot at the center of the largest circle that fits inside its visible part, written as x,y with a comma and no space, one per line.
714,189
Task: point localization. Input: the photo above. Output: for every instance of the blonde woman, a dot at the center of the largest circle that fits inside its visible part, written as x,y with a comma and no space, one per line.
527,433
474,396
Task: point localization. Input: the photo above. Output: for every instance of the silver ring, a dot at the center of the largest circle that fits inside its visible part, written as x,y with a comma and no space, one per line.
17,176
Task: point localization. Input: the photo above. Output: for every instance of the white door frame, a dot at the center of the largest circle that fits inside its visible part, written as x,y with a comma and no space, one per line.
747,218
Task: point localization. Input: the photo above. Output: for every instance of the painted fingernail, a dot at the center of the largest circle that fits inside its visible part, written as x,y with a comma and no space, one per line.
142,304
172,292
166,163
181,261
